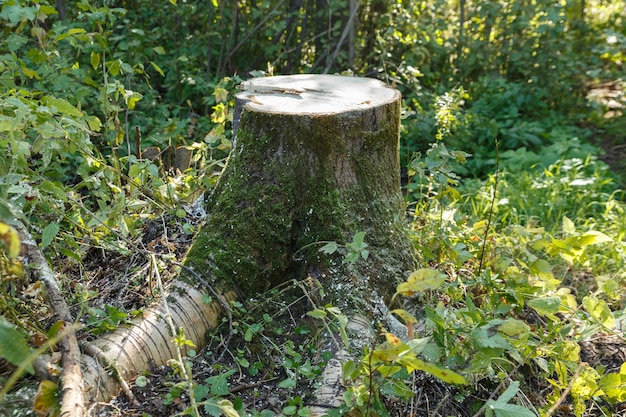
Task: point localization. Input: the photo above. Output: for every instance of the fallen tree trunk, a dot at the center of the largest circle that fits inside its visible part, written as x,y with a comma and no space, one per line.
315,159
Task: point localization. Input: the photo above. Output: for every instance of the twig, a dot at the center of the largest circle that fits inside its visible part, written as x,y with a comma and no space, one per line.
245,387
342,38
72,388
563,394
493,200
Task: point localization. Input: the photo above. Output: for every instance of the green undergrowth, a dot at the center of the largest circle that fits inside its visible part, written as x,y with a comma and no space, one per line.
510,304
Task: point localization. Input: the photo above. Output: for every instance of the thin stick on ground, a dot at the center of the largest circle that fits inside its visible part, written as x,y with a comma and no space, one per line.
72,389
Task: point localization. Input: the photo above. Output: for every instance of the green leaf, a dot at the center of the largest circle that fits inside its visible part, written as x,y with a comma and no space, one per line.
515,328
95,60
15,13
200,391
600,311
142,381
592,237
157,68
421,280
15,42
212,408
568,225
287,383
62,106
511,410
53,189
290,410
221,94
94,123
317,313
446,375
227,408
46,401
329,248
219,383
614,386
545,305
13,346
486,337
509,393
48,234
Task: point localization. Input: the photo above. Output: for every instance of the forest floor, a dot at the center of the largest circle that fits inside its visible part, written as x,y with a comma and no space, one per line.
120,280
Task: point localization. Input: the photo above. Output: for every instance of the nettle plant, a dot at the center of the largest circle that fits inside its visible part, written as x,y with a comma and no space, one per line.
507,302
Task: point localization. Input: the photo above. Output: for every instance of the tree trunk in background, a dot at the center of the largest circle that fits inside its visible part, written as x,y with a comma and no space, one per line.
315,159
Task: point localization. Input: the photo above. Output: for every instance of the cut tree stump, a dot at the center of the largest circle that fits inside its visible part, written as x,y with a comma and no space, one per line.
315,160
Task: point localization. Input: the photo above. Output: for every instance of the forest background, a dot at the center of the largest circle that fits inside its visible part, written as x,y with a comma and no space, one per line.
116,113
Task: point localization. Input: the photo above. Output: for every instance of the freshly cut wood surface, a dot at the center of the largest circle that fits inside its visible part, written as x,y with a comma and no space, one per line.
314,94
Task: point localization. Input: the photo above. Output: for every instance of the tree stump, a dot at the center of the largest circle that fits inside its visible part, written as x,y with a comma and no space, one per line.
315,159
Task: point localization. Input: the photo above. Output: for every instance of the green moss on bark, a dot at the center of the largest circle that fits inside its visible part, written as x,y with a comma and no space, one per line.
297,179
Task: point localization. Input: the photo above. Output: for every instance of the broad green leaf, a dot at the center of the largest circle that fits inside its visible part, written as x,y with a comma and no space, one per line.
219,383
404,315
614,386
212,408
317,313
53,189
511,410
13,346
600,311
486,337
48,234
15,12
227,408
95,60
287,383
159,50
221,94
62,106
509,392
592,237
545,305
142,382
46,401
396,388
568,225
347,369
445,375
329,248
15,42
514,328
290,410
421,280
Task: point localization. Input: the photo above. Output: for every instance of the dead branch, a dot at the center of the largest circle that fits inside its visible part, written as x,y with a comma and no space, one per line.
71,379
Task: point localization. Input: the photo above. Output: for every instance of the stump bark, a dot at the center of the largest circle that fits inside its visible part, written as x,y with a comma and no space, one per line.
315,159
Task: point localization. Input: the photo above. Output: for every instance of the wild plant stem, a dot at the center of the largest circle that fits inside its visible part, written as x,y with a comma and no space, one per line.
490,216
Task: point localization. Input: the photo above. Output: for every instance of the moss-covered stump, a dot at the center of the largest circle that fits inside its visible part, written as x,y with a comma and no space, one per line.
316,159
